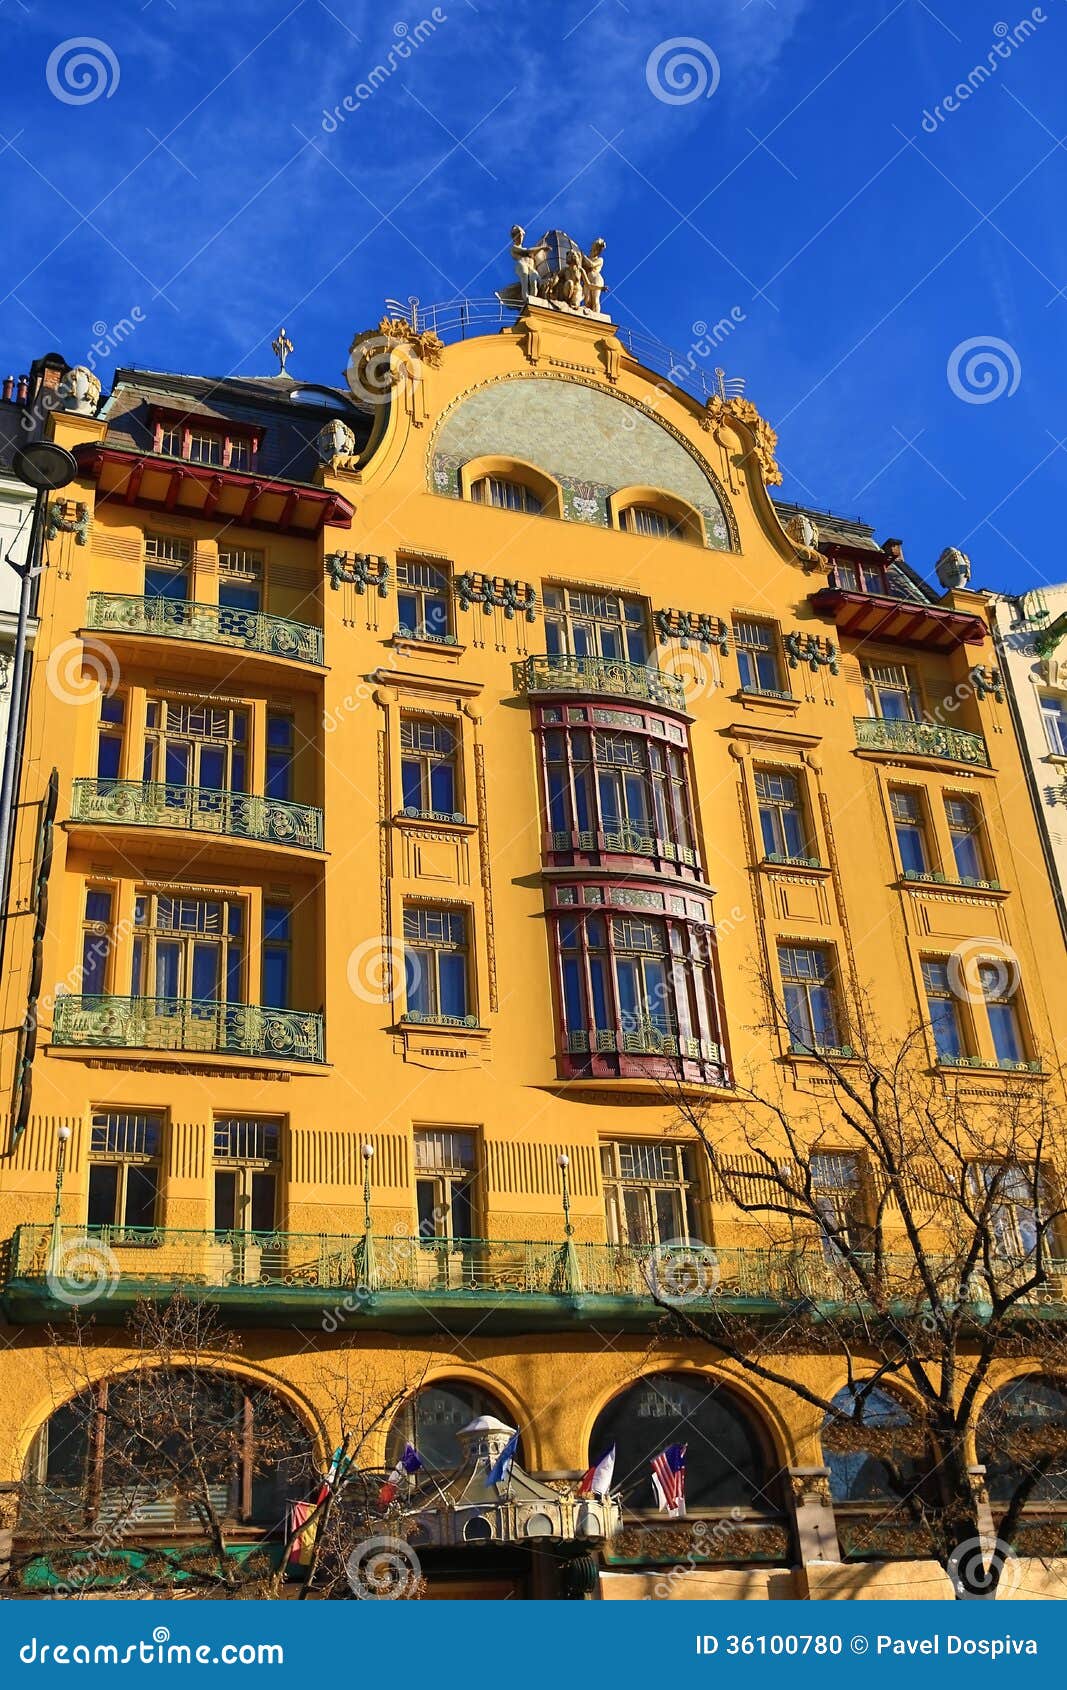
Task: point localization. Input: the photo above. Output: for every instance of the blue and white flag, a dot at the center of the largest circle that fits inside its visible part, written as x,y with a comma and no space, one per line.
501,1467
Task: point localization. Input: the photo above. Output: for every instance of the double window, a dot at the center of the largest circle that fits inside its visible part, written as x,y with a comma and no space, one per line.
445,1178
1054,716
429,759
1014,1206
240,583
589,624
838,1190
759,663
424,601
202,745
436,964
617,791
851,576
947,986
783,824
810,995
650,1192
188,948
892,692
124,1166
199,444
655,524
247,1157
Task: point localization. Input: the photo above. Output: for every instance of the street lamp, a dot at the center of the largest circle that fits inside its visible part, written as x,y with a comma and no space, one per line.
563,1162
56,1251
45,467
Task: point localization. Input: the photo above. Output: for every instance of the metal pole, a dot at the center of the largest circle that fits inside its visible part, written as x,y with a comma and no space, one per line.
27,572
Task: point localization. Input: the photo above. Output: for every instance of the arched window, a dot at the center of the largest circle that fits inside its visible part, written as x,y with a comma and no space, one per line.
862,1455
506,494
1022,1437
728,1463
166,1446
431,1419
646,519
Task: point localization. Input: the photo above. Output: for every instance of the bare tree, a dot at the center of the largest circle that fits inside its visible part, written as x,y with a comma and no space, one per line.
180,1472
908,1221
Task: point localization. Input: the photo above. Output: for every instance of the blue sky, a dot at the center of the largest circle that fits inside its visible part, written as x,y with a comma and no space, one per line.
204,186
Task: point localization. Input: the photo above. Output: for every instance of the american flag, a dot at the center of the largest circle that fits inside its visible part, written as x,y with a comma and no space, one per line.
668,1479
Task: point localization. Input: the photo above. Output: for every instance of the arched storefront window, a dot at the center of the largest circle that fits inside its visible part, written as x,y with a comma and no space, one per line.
865,1455
728,1462
1022,1437
169,1446
431,1419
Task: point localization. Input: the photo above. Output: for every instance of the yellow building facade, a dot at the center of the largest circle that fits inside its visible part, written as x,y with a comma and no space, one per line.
444,773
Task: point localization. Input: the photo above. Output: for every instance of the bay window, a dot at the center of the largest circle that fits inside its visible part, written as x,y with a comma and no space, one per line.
614,791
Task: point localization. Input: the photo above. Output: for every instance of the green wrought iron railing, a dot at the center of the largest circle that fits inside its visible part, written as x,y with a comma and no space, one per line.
188,1024
185,619
139,1259
600,675
200,809
921,739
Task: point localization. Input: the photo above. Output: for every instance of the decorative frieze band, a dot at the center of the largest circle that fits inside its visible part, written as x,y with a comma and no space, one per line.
692,627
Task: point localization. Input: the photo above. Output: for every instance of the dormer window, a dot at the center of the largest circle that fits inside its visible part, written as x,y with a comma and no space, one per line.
506,495
853,577
221,445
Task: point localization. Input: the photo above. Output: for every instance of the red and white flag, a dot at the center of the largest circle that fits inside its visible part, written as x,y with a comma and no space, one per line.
597,1482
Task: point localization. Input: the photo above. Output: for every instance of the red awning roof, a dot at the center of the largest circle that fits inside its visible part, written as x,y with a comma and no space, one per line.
868,616
243,498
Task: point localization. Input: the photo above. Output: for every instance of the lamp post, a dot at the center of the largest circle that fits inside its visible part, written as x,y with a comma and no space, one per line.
567,1279
368,1158
563,1161
56,1250
45,467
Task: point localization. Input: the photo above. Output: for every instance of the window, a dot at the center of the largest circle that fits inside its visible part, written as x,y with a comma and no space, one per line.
202,745
656,524
1006,1192
878,1440
650,1192
247,1165
166,567
429,760
240,581
854,577
892,692
187,947
965,831
277,956
1022,1440
506,495
205,448
909,821
96,940
943,1011
436,964
445,1170
729,1466
431,1419
809,989
636,985
588,624
619,792
199,443
423,598
837,1183
1054,716
109,737
781,815
281,745
124,1163
998,988
757,657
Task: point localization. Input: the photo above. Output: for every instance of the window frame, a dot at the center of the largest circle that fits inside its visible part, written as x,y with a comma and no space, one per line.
828,982
922,824
435,589
450,1183
232,946
247,1164
1053,706
682,1185
770,810
228,435
963,1025
421,945
429,758
749,650
977,834
126,1161
566,610
585,763
909,687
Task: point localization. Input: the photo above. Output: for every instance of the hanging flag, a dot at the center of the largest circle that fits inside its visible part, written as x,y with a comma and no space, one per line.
668,1480
597,1481
304,1540
409,1463
500,1469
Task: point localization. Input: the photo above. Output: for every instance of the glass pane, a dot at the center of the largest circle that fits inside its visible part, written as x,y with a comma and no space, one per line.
968,860
638,1219
177,763
205,973
453,977
225,1199
1004,1026
411,784
463,1211
108,757
426,1208
212,767
275,977
417,982
912,850
168,970
279,775
263,1197
238,595
442,788
103,1193
141,1191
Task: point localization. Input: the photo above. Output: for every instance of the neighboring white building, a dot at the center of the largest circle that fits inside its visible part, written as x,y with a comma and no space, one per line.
16,508
1031,633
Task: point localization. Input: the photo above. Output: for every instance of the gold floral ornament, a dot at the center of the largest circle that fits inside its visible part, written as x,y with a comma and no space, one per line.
764,438
395,354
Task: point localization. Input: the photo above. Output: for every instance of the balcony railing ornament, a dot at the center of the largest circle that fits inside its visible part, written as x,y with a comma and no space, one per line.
187,1024
495,592
199,810
921,739
214,624
600,675
692,627
360,570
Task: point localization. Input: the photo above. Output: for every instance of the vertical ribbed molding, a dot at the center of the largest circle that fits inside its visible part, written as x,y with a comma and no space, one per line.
188,1154
37,1150
517,1168
335,1159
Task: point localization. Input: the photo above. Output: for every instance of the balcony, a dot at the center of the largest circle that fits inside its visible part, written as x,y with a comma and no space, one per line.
206,624
197,809
921,739
435,1284
600,676
200,1027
